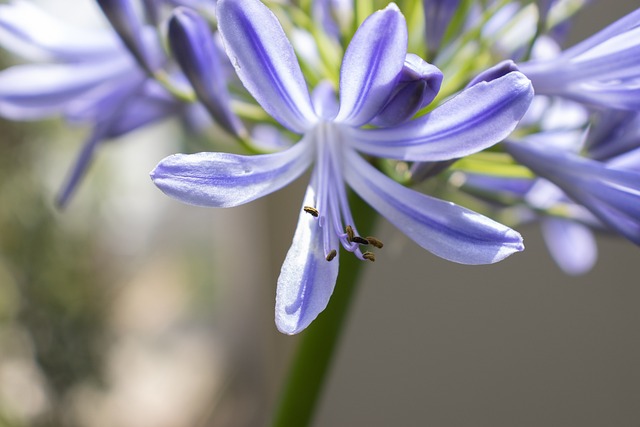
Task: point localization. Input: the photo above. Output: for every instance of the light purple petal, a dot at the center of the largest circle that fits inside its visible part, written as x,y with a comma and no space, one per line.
371,65
571,244
477,118
624,24
612,133
612,195
225,180
28,31
517,187
443,228
100,100
307,279
35,91
265,61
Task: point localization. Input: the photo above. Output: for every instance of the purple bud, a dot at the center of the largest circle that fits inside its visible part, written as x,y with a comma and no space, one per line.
195,50
417,85
123,18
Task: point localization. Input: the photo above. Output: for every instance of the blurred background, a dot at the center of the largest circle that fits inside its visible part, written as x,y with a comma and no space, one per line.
127,309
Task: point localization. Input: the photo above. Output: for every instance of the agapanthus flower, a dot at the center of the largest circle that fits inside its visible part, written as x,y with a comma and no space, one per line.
566,226
610,193
332,136
89,77
602,71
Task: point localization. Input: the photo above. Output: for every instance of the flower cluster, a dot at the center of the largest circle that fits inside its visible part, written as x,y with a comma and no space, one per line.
375,104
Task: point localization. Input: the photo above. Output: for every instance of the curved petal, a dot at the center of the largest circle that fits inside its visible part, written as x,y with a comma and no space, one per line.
100,100
371,65
624,24
265,61
443,228
571,244
612,195
477,118
223,180
307,279
28,31
35,91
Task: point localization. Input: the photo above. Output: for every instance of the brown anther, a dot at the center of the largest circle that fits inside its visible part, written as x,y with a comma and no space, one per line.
375,242
350,234
370,256
360,240
313,211
332,255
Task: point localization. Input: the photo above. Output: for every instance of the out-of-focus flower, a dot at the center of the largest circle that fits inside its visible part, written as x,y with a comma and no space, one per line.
90,78
476,118
601,71
437,16
194,48
611,194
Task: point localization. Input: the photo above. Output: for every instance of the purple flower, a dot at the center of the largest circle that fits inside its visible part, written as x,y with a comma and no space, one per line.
566,226
610,193
89,78
602,71
332,136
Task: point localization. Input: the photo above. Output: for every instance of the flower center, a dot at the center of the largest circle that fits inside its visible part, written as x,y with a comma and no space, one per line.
331,208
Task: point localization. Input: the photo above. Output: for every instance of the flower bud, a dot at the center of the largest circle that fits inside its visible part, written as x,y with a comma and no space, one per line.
123,18
194,48
416,86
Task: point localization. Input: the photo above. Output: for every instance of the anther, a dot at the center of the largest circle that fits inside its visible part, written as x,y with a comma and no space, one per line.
332,255
375,242
370,256
350,234
360,240
313,211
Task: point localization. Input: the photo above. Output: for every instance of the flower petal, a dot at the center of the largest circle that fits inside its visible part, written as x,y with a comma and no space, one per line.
194,48
622,25
443,228
224,180
307,279
477,118
28,31
571,244
612,195
35,91
265,61
371,64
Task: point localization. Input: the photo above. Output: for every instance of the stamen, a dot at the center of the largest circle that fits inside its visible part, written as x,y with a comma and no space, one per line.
359,240
332,255
370,256
375,242
313,211
350,234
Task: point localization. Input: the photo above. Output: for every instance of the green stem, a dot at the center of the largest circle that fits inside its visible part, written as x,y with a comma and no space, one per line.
318,342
